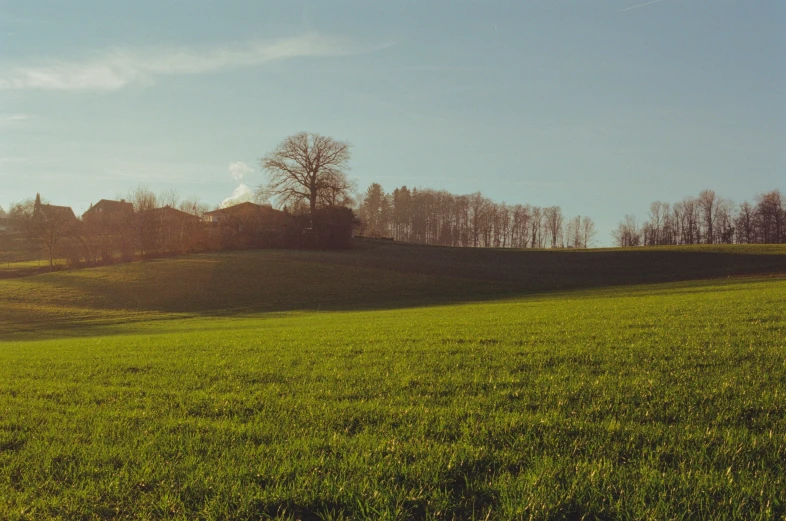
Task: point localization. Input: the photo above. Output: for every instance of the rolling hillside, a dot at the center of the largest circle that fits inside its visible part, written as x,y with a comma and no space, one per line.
660,401
376,275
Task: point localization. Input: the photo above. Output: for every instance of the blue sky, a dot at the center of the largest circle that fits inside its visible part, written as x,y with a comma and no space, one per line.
599,106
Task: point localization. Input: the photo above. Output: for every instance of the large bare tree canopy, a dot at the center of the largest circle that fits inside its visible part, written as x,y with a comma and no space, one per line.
308,168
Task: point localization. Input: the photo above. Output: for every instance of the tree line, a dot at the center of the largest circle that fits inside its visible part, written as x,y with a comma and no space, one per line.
307,180
441,218
707,219
306,174
146,225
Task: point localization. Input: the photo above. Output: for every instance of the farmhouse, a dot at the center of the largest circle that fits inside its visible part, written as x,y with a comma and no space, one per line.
51,213
169,230
246,212
169,215
248,225
107,210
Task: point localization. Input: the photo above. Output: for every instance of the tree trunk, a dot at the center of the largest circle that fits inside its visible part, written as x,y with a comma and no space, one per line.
313,206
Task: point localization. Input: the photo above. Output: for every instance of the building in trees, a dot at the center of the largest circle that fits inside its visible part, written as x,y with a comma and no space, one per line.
20,216
248,225
109,230
107,210
173,231
52,225
333,228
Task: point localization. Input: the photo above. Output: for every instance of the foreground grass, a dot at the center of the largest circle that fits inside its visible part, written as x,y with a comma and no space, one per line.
659,402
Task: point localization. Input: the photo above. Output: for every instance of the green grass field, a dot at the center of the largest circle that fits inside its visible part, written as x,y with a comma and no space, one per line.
373,385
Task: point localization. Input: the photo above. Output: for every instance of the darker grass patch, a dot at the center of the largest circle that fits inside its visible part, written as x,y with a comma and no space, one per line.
11,444
378,275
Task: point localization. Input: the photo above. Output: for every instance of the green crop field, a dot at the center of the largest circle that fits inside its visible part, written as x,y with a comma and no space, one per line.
399,382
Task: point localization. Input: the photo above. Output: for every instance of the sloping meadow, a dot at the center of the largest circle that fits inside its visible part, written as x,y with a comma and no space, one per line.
649,402
375,275
74,303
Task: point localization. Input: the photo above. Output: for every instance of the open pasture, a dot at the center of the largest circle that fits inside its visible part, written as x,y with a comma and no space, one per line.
388,394
376,275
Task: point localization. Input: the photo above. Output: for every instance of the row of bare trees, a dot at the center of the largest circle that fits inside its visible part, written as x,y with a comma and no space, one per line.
707,219
439,217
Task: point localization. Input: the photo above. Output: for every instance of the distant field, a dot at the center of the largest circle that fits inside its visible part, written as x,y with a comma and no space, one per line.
20,256
304,385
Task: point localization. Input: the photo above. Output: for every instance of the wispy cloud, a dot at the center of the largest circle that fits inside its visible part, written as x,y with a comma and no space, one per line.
640,5
440,68
10,119
117,68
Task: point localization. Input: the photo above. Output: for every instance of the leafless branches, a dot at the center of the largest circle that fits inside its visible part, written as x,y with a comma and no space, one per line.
709,219
308,168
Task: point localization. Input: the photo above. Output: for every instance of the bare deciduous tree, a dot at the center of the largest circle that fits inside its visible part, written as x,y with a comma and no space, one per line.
658,215
536,227
770,217
339,191
144,200
20,215
194,206
51,224
708,204
169,197
308,167
686,212
724,221
478,208
745,224
710,219
587,231
627,232
554,219
573,232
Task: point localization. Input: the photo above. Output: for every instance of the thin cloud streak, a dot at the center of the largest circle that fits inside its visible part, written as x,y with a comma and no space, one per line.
641,5
118,68
439,68
8,120
25,160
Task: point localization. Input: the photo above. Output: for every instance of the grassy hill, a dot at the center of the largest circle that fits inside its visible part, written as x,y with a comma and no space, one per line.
376,275
368,385
547,270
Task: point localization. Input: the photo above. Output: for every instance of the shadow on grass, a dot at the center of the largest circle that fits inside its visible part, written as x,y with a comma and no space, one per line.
546,270
374,276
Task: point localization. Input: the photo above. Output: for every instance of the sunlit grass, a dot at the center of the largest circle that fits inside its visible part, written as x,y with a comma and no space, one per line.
659,401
